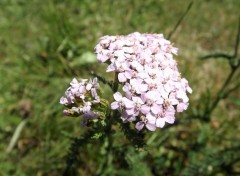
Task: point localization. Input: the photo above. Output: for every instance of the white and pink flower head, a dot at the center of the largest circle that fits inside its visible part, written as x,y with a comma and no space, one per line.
153,87
80,97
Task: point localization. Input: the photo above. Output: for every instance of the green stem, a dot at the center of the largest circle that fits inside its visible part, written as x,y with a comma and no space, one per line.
110,119
108,148
220,93
180,20
237,40
73,153
115,83
103,80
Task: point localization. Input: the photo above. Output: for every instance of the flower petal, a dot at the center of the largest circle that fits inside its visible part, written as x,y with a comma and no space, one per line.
150,127
139,125
114,105
181,107
117,96
128,103
145,109
143,88
155,108
160,122
189,89
169,119
121,77
151,118
130,111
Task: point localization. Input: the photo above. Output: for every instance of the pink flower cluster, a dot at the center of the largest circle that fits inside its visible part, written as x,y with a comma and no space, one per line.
80,97
152,85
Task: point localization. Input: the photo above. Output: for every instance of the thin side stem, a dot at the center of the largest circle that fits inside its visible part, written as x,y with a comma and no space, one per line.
231,90
237,40
103,80
217,55
221,92
180,20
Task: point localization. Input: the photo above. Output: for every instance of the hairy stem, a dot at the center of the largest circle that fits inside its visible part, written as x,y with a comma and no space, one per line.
110,119
103,80
115,84
73,153
108,148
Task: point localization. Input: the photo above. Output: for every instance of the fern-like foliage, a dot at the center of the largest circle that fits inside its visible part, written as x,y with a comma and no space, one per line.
214,163
136,138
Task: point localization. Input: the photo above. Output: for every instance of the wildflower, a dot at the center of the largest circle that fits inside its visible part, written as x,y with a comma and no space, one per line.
121,102
152,85
80,97
150,125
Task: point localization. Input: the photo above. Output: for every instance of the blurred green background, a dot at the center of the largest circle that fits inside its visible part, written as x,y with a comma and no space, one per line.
45,43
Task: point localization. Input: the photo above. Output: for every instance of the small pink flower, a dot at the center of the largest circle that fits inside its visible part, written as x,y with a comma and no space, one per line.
80,97
93,83
150,126
121,102
153,101
135,109
124,76
181,107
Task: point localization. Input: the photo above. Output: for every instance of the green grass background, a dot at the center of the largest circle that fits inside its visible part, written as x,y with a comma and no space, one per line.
45,43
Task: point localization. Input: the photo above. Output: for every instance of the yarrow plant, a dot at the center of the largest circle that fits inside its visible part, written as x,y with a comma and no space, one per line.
152,87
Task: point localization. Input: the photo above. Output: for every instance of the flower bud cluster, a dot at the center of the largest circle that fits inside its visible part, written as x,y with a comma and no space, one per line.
80,98
152,85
